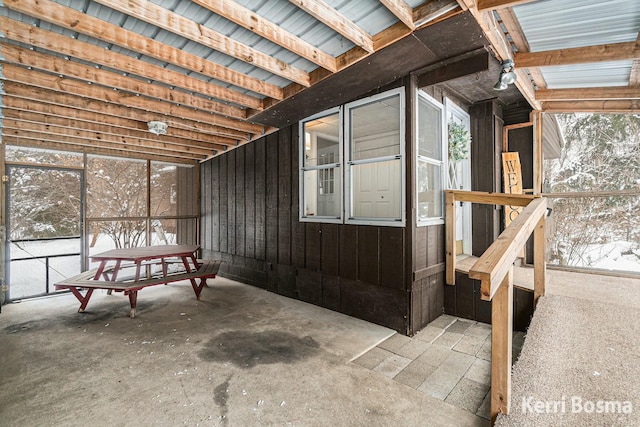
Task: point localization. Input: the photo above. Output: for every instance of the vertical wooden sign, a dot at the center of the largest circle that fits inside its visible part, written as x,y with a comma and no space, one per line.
512,175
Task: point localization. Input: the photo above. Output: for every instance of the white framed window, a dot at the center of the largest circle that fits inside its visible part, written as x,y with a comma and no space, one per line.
375,135
320,171
352,162
431,161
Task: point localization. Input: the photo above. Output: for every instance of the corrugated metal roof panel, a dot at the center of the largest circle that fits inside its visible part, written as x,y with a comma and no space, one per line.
561,24
599,74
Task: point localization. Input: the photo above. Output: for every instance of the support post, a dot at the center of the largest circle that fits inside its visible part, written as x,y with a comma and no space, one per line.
501,342
539,261
450,237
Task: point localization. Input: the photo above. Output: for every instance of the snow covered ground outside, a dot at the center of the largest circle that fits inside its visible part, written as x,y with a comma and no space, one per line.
619,256
28,277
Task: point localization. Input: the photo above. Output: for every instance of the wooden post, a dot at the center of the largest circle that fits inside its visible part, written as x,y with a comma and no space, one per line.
450,237
537,152
501,341
539,261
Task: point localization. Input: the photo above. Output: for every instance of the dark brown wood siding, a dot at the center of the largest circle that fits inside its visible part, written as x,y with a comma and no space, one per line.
463,300
250,221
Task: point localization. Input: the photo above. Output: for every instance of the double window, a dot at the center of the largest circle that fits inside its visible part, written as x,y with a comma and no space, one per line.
352,162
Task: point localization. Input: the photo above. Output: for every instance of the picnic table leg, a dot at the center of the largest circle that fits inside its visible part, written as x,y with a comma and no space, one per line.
114,277
100,270
185,262
198,289
195,261
84,300
133,300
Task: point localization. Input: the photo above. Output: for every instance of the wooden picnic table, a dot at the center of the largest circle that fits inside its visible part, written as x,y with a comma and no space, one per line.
138,255
106,276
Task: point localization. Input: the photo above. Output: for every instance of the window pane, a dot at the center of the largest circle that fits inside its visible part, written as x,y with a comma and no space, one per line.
321,140
116,188
429,130
163,189
106,235
43,157
322,193
429,190
375,129
377,190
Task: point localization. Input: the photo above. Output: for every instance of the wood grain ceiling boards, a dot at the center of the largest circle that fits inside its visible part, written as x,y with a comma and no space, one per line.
88,75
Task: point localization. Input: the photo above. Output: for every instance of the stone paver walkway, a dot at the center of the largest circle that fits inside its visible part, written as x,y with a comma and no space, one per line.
450,359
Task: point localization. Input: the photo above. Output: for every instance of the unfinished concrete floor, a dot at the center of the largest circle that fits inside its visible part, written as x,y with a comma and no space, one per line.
241,356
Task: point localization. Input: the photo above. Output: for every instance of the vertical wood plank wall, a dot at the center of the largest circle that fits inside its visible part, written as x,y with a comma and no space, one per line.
249,211
463,299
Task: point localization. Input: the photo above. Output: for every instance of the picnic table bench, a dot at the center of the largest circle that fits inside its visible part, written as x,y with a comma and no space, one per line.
105,277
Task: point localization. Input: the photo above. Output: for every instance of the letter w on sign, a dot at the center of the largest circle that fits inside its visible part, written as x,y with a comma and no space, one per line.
512,175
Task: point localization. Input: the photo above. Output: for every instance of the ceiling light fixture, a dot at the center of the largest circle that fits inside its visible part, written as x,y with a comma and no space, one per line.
507,75
159,128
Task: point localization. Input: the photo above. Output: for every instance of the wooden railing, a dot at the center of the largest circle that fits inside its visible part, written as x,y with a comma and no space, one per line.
495,271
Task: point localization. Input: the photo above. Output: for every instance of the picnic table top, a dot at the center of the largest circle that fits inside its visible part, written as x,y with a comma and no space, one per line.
146,252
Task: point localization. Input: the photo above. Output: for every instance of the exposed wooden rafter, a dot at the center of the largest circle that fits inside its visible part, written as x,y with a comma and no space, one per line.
63,133
67,68
485,5
174,23
63,99
337,22
20,32
18,109
589,93
401,10
244,17
596,106
579,55
100,149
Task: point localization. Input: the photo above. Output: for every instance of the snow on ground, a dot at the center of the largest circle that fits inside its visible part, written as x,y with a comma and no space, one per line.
618,256
29,277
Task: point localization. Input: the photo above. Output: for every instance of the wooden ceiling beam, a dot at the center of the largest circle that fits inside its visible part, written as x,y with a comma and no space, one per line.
119,131
129,106
57,110
503,50
63,85
401,10
579,55
177,24
488,5
74,20
65,102
634,75
589,93
20,133
432,10
29,58
514,30
594,106
45,143
337,22
246,18
16,127
24,33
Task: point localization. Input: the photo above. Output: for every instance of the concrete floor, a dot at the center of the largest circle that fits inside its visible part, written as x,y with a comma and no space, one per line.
240,357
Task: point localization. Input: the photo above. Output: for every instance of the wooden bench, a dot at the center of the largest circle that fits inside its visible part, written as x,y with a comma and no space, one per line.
207,269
